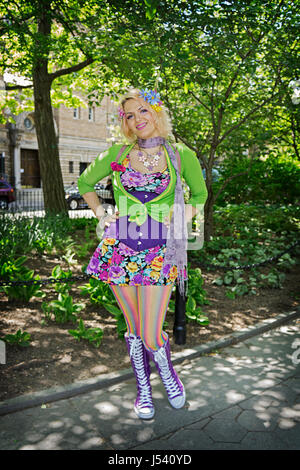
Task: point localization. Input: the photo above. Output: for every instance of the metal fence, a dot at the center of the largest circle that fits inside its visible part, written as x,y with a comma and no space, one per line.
30,202
27,200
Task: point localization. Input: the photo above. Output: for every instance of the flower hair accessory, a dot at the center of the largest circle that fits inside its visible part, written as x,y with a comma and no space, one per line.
121,113
152,97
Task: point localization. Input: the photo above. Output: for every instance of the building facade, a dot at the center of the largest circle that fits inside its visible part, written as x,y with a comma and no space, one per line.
82,134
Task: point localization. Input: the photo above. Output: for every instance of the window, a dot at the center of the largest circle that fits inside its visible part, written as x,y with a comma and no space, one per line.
71,167
76,113
28,124
2,163
91,114
82,167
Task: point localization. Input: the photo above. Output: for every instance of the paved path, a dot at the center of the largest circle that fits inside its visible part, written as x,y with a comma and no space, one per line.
245,396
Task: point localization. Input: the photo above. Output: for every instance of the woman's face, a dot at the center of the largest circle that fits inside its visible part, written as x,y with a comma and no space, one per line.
140,119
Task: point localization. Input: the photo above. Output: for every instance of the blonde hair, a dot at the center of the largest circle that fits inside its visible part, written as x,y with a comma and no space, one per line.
161,118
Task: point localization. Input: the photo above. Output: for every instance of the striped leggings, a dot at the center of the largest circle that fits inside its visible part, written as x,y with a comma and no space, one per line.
144,309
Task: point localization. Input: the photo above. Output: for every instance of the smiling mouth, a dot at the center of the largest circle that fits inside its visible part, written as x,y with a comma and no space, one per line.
141,126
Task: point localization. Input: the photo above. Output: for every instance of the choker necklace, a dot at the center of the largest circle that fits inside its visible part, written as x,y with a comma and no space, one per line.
150,161
152,142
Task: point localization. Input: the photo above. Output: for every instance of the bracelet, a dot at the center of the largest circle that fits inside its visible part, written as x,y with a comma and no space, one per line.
101,224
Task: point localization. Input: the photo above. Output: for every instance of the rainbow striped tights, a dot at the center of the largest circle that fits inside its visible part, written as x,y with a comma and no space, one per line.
144,309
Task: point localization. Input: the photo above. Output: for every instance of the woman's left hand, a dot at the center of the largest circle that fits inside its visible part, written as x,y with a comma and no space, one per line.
109,219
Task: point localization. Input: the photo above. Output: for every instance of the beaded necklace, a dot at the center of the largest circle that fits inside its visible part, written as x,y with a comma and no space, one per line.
149,161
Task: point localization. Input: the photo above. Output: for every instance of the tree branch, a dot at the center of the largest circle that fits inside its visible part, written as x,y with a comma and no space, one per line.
17,87
199,155
178,136
246,117
72,68
199,101
213,107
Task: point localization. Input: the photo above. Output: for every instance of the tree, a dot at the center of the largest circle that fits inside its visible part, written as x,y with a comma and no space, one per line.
221,67
44,41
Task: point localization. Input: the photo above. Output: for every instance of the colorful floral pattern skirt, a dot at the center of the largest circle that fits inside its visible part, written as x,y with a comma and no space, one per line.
113,262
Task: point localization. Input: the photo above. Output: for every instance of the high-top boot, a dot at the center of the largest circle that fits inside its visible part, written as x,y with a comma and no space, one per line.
173,385
140,363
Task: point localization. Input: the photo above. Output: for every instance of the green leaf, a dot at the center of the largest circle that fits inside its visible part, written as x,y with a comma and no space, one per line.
191,304
112,309
230,294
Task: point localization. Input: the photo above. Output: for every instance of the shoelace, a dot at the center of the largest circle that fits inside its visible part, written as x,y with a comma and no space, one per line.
169,382
136,351
134,346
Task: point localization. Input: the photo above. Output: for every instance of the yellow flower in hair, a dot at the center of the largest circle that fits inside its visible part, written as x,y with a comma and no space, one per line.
156,107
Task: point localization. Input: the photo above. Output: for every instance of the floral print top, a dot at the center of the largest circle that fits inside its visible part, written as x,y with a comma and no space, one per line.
133,180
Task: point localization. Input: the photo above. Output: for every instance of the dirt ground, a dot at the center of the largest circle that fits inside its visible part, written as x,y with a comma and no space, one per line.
54,357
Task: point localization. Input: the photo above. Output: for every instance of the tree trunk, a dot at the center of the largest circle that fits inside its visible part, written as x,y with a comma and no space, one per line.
53,190
208,215
208,208
52,181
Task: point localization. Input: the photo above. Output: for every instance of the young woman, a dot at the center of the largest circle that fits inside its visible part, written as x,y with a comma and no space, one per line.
143,249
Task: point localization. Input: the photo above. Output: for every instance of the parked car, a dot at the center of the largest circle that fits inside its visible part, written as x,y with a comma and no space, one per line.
7,194
76,201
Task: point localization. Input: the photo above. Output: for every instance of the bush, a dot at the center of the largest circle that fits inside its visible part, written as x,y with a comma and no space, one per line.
247,235
274,180
22,235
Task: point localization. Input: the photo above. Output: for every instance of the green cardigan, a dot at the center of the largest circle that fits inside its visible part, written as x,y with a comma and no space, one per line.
159,207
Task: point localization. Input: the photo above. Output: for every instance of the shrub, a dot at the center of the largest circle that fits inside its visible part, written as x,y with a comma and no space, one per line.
273,180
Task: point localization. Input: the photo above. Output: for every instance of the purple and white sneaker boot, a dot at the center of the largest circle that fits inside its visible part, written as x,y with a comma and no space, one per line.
173,385
143,405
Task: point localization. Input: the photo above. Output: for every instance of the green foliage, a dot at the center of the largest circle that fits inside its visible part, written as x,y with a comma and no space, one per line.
22,235
119,317
86,243
20,338
245,235
92,335
275,179
13,270
58,273
81,223
63,309
223,68
151,8
100,293
196,297
216,65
